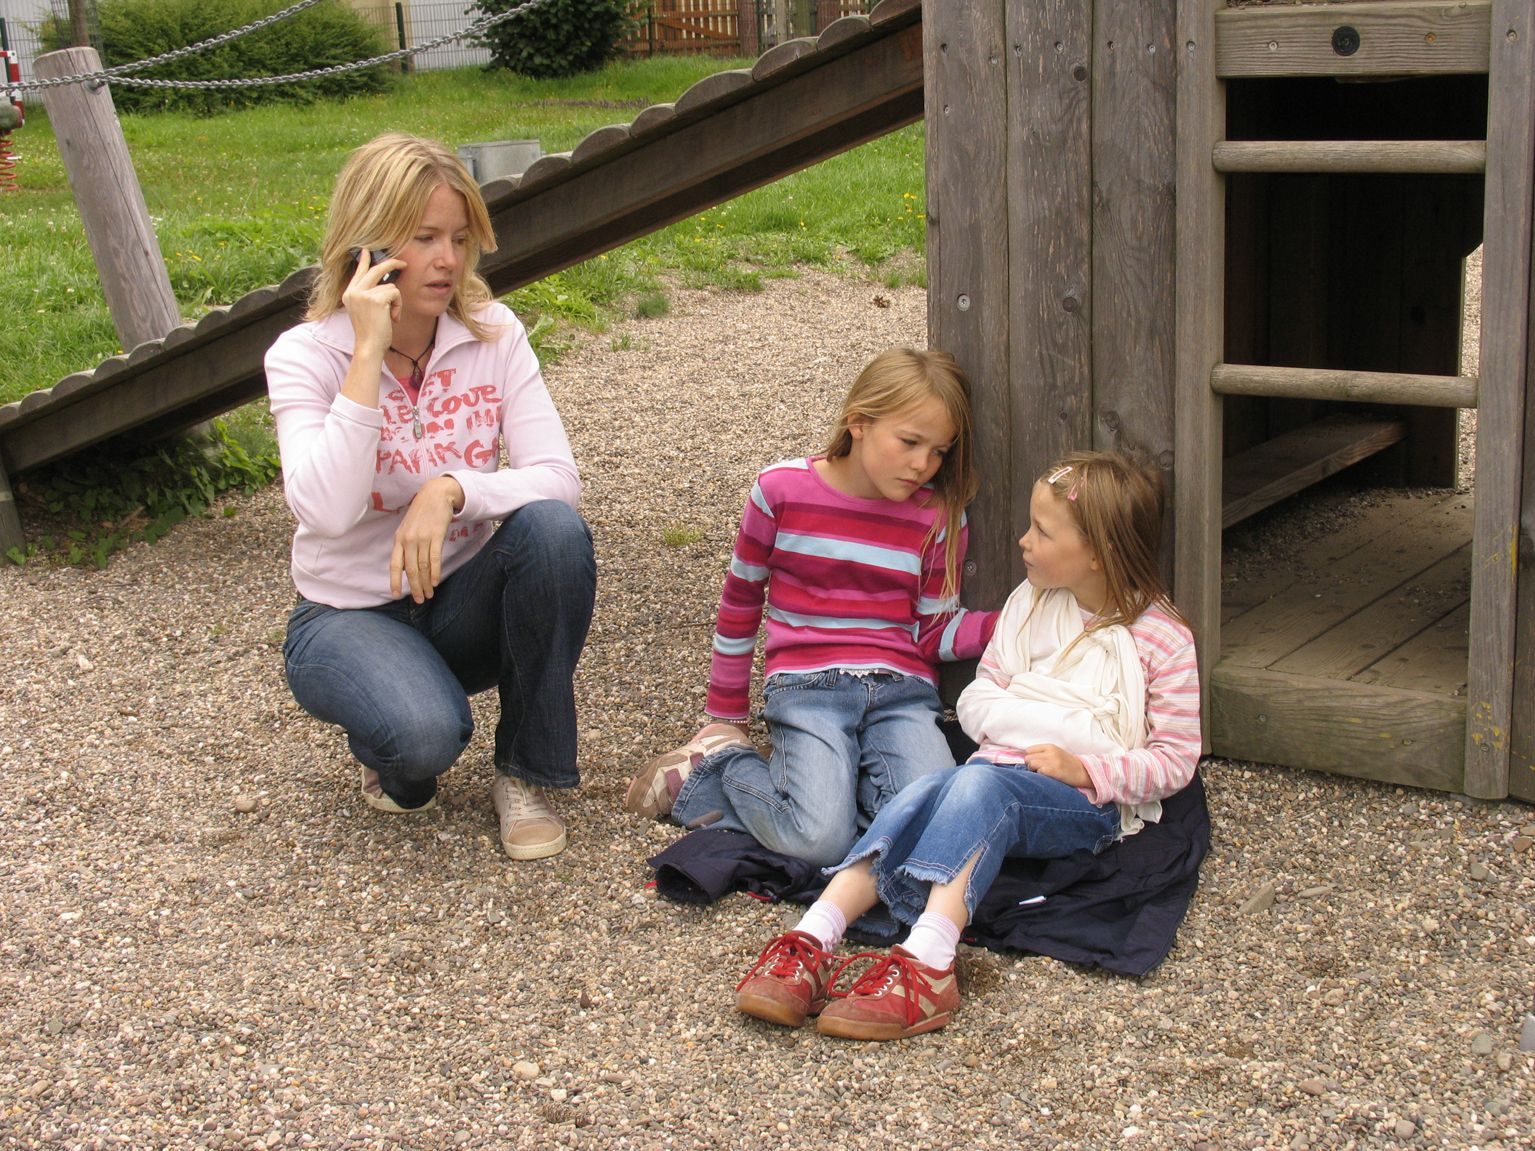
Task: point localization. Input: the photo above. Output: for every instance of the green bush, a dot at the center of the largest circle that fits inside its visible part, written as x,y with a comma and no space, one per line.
329,33
556,38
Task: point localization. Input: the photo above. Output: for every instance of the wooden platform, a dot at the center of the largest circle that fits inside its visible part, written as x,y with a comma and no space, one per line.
1349,654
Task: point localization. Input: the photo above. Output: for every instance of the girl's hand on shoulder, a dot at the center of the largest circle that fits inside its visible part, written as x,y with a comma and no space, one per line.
1047,759
372,307
417,553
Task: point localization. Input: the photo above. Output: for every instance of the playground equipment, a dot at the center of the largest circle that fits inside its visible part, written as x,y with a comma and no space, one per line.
1171,225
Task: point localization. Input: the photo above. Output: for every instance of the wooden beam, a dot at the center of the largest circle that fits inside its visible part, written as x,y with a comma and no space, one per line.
967,59
1338,384
1360,730
1200,317
544,224
1134,215
1398,38
1262,476
1500,444
1411,157
1049,318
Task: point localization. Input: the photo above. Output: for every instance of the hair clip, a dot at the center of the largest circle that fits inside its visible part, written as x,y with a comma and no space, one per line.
1072,494
1055,476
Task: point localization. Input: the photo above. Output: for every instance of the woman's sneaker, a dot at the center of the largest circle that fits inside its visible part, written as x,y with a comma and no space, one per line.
895,998
789,981
530,828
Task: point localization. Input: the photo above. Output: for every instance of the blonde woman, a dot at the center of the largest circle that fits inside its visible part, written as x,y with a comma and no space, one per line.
427,572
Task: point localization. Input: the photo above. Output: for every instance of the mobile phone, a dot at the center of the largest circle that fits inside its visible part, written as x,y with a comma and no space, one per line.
377,256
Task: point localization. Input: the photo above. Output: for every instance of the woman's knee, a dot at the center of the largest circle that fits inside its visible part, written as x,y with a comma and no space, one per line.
418,746
552,530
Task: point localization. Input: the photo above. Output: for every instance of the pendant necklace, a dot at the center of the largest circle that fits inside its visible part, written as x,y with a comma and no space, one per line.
417,378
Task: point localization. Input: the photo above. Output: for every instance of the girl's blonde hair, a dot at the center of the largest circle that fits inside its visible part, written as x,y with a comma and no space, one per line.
1117,503
893,381
378,202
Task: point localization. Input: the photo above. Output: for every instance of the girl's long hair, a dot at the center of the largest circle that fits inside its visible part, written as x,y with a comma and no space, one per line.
893,381
1117,503
378,202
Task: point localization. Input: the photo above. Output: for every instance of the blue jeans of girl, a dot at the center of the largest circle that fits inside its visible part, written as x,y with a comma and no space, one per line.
397,678
843,745
930,831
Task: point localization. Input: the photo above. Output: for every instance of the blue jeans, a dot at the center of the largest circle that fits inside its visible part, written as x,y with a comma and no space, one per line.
929,832
398,677
843,745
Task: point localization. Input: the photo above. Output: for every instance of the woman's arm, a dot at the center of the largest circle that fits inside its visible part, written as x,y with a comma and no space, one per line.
541,466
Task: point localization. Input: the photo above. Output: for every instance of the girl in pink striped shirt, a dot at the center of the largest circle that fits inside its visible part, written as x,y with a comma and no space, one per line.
1086,711
854,557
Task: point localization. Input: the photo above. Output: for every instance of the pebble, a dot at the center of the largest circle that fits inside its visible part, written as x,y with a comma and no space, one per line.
1405,1128
1479,872
1527,1034
1523,842
1482,1044
1260,900
360,965
1313,1086
245,804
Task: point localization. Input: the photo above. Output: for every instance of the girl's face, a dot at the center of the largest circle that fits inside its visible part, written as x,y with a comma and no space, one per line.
1056,554
893,456
434,255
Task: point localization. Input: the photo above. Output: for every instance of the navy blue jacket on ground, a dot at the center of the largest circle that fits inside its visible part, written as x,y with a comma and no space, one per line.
1118,910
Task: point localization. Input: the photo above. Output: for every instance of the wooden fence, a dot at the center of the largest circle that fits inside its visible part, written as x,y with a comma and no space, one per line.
728,27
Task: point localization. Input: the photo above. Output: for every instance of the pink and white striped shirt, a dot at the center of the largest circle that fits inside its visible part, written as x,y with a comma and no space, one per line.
846,583
1166,763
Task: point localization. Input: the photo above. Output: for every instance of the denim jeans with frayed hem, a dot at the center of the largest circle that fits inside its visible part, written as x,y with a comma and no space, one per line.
397,677
843,745
930,831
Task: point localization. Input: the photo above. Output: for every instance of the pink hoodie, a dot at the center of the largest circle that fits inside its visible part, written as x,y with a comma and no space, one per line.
349,471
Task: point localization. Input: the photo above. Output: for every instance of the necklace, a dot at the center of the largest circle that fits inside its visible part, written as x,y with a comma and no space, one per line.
417,377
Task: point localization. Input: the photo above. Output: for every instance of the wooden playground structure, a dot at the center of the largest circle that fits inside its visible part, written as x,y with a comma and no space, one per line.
1231,237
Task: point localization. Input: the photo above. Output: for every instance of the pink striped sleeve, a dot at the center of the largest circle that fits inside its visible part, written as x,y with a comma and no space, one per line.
740,614
1173,743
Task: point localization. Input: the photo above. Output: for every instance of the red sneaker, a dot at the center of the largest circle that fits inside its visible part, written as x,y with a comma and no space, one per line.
789,981
896,998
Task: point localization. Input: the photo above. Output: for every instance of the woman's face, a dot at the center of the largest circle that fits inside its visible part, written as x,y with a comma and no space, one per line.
435,254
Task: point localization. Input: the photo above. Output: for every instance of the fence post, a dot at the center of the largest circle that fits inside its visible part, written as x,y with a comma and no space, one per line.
399,27
826,11
111,203
748,28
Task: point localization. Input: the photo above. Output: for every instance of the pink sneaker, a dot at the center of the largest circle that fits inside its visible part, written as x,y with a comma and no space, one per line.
896,998
654,790
788,982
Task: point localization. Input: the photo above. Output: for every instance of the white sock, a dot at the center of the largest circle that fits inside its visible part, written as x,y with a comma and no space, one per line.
933,940
824,923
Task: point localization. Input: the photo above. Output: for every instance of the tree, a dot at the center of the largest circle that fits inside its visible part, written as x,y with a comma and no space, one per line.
556,38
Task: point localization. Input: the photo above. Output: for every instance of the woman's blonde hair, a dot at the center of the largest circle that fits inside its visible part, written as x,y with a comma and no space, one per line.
893,381
1117,503
378,202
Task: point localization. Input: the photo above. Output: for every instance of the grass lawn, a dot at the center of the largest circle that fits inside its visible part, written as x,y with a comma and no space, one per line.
239,201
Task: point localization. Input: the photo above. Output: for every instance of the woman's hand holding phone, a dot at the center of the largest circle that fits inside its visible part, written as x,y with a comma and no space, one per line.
372,302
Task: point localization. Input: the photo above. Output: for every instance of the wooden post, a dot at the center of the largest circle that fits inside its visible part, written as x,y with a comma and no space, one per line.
966,57
1501,416
111,204
1133,82
1200,325
1050,308
749,31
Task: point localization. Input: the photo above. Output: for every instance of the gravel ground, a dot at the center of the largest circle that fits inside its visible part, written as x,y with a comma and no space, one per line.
208,941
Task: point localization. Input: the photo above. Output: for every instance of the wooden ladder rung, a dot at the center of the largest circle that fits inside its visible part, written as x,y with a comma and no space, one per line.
1416,157
1387,38
1338,384
1288,463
